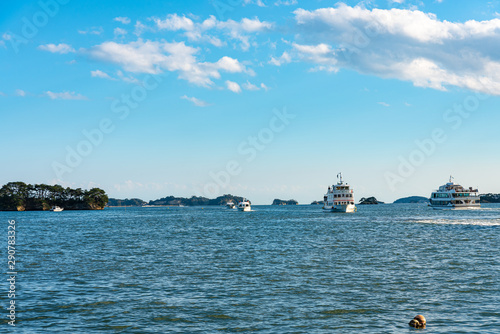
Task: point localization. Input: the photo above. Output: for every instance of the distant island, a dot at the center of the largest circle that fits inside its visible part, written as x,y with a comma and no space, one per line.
412,199
19,196
177,201
317,203
126,202
282,202
369,200
490,198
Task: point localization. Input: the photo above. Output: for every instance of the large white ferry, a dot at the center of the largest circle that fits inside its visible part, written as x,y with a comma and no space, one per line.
339,197
454,196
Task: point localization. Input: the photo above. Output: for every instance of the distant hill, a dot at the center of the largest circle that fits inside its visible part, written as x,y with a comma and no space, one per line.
317,203
126,202
412,199
196,201
490,198
282,202
369,200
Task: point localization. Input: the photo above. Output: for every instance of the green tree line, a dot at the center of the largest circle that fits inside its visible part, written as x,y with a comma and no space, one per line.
19,196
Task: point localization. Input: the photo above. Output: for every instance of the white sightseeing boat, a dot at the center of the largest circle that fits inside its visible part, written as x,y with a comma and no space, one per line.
454,196
230,205
339,197
244,205
56,209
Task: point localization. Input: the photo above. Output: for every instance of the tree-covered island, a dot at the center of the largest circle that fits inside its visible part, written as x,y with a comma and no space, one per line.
19,196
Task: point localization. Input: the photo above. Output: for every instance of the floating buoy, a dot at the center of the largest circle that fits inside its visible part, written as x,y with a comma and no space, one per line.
418,321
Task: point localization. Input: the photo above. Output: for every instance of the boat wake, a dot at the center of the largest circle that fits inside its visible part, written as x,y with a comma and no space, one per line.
468,221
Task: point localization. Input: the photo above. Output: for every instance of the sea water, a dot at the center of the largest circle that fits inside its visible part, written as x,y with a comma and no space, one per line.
277,269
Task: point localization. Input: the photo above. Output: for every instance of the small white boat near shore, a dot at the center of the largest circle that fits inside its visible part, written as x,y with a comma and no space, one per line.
56,209
244,205
230,205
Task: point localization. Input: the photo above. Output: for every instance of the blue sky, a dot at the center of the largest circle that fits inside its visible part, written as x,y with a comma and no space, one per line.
264,99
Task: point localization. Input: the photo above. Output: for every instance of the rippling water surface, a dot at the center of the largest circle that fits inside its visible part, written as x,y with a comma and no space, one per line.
273,270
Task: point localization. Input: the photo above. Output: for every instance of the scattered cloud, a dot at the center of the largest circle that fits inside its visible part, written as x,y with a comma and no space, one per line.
250,86
195,101
408,45
254,2
92,31
155,57
198,31
140,28
285,2
101,74
128,79
233,86
3,94
65,96
175,22
124,20
20,92
283,59
384,104
2,44
59,48
119,32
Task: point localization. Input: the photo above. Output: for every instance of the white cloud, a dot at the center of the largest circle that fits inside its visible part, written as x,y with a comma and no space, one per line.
140,28
59,48
404,44
20,92
250,86
254,2
129,79
124,20
2,44
175,22
198,31
155,57
285,2
65,96
100,74
92,31
195,101
233,86
119,32
285,58
384,104
3,94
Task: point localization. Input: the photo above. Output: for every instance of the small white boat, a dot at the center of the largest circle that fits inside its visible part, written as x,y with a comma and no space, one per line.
230,205
56,209
244,206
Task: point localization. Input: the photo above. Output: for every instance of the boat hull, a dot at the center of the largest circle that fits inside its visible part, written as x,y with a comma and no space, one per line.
349,208
455,206
246,208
